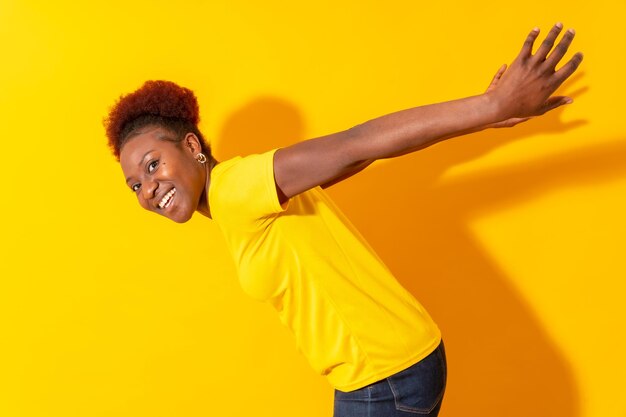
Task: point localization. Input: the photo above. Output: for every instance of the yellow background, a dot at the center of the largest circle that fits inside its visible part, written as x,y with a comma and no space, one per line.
513,239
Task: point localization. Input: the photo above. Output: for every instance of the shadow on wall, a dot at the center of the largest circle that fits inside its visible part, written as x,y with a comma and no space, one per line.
501,361
261,125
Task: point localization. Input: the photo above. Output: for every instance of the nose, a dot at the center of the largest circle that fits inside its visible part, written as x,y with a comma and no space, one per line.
148,188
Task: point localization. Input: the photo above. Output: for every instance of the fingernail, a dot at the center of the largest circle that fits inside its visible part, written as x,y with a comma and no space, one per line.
569,101
572,31
559,25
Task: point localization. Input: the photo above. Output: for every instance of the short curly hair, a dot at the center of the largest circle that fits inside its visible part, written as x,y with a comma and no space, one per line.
155,103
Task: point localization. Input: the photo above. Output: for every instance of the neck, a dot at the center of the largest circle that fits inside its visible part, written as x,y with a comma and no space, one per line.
203,206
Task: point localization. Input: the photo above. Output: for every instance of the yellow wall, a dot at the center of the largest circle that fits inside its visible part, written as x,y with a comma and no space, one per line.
513,239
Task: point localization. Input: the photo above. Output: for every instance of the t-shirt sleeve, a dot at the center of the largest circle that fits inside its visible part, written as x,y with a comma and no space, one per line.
244,191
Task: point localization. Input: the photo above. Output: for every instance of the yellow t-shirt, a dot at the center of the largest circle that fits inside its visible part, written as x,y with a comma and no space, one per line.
350,317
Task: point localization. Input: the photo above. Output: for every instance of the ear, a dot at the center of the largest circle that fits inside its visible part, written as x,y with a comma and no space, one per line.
191,143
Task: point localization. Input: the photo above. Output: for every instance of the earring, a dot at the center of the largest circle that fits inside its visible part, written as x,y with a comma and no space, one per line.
200,157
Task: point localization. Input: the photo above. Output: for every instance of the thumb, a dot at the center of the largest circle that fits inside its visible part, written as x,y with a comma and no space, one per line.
554,102
497,77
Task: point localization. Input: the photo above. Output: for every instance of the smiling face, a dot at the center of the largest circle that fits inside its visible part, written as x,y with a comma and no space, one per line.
164,174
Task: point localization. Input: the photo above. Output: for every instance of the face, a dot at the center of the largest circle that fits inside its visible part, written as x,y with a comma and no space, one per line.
164,175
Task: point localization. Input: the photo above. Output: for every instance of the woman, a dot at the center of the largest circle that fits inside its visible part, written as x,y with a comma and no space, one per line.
293,248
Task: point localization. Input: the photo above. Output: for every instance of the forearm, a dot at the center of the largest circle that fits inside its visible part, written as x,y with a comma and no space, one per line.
412,129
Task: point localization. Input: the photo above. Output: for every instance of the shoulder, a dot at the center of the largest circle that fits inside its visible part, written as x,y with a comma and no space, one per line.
244,186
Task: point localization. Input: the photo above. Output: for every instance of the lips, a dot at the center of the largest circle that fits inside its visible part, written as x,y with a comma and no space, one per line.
167,199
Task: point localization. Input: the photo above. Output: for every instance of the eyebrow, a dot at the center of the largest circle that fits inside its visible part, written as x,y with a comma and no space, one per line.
140,162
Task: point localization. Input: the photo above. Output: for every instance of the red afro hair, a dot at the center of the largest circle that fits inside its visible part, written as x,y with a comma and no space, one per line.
160,103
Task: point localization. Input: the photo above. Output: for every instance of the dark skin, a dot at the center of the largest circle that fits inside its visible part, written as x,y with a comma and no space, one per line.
516,94
154,164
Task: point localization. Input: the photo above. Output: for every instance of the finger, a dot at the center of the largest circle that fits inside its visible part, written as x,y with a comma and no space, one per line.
527,48
497,77
509,122
568,69
499,74
522,119
554,102
516,121
560,49
548,43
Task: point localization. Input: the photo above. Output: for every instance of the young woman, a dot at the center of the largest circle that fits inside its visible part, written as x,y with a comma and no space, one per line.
293,248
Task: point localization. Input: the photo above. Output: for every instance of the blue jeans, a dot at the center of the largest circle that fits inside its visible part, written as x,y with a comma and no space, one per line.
416,390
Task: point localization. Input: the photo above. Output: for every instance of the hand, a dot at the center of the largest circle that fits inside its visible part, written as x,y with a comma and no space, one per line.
525,89
508,122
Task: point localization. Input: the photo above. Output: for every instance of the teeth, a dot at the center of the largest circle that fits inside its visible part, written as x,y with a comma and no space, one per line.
167,197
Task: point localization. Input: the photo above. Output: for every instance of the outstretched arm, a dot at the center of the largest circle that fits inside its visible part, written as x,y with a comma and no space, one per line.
518,93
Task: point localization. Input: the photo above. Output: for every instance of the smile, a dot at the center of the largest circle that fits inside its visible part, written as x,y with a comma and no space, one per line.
167,199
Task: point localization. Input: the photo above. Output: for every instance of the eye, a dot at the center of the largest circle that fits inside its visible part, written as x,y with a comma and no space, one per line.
135,187
153,165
